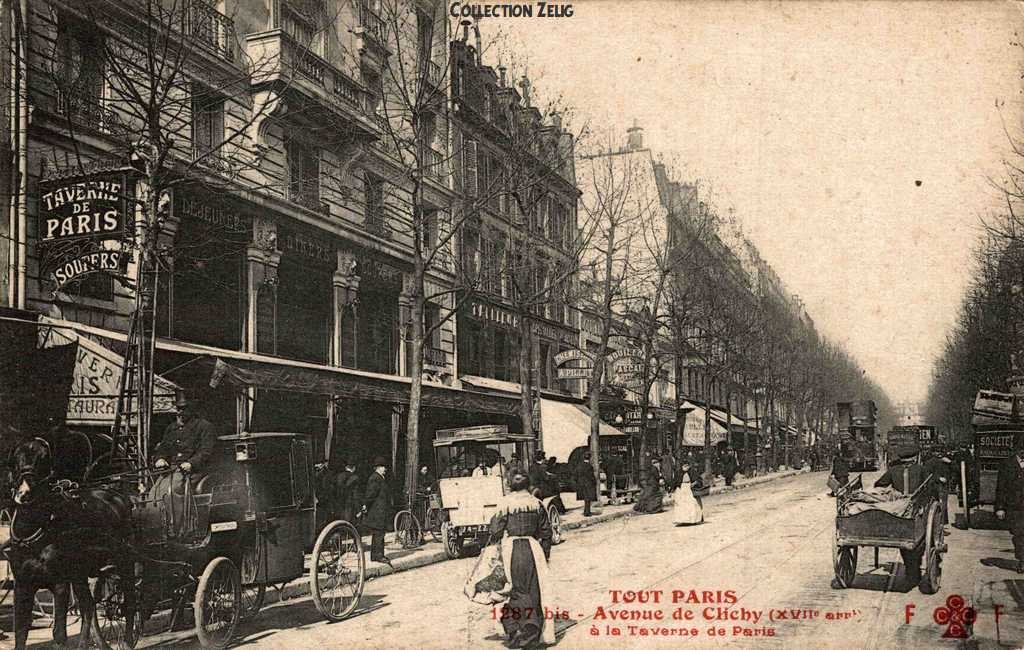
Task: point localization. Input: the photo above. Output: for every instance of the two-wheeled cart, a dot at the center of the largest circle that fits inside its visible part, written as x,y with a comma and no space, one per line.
920,530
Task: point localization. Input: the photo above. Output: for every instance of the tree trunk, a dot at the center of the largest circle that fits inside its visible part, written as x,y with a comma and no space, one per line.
757,427
526,378
412,431
707,435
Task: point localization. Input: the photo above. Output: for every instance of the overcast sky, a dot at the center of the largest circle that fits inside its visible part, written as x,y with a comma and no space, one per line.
815,121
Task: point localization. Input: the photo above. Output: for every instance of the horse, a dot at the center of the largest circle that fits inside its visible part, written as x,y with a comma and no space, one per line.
61,536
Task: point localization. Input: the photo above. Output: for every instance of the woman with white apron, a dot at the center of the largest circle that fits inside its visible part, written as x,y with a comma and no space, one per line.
687,508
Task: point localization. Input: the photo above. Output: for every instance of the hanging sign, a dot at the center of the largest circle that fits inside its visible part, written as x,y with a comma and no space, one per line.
97,380
112,261
573,355
574,373
83,209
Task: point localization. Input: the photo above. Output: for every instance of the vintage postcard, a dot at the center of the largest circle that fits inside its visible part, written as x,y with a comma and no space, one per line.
574,324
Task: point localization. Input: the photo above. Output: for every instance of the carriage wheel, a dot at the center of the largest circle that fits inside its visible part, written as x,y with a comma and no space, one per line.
253,593
844,561
407,530
451,541
217,603
556,524
118,617
433,522
933,552
338,570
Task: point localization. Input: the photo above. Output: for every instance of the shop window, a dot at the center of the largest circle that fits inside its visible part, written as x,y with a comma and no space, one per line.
207,122
207,289
303,310
377,332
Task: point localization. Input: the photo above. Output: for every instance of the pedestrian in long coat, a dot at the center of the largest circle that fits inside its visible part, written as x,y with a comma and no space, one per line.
729,467
652,481
1010,500
377,509
347,499
586,484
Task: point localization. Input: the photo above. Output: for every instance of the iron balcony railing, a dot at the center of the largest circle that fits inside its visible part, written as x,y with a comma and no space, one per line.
433,356
209,27
372,23
86,111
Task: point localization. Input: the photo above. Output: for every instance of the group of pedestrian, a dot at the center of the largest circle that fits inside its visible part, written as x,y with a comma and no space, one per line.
344,495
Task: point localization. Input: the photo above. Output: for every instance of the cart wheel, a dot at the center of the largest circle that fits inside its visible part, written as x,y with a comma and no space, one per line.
252,593
844,561
556,524
407,530
338,570
451,540
433,522
118,617
933,552
217,603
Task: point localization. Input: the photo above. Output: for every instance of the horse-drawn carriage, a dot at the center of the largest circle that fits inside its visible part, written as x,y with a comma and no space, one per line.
244,527
917,526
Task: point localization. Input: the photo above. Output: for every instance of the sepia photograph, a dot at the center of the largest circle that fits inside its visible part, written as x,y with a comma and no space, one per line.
454,325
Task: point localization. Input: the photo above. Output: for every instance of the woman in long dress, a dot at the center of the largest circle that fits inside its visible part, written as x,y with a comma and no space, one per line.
687,507
521,526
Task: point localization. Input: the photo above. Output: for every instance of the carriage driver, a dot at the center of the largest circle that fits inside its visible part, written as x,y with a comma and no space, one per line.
187,445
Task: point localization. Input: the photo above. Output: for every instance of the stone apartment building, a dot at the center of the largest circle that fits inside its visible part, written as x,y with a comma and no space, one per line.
282,297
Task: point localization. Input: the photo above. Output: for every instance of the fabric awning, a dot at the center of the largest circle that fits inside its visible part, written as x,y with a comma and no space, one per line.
565,427
693,427
248,369
276,374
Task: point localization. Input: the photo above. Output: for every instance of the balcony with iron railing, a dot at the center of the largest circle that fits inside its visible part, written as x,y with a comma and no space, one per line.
433,356
300,70
433,74
86,111
376,223
373,25
433,163
209,28
307,194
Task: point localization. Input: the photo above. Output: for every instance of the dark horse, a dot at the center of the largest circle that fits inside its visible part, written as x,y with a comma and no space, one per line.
60,537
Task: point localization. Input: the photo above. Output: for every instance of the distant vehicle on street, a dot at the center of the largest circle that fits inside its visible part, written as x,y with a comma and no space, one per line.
857,430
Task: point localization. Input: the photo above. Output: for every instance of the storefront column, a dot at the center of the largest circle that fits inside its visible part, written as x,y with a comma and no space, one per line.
262,260
346,292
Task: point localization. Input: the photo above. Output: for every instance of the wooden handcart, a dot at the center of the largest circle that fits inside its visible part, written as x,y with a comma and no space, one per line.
922,530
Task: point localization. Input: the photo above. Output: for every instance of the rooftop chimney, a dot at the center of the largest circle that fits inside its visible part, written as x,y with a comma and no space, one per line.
525,85
465,29
635,137
479,46
556,121
501,74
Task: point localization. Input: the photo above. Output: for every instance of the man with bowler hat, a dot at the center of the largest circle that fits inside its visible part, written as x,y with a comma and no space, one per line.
187,445
377,509
906,475
1010,499
586,484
